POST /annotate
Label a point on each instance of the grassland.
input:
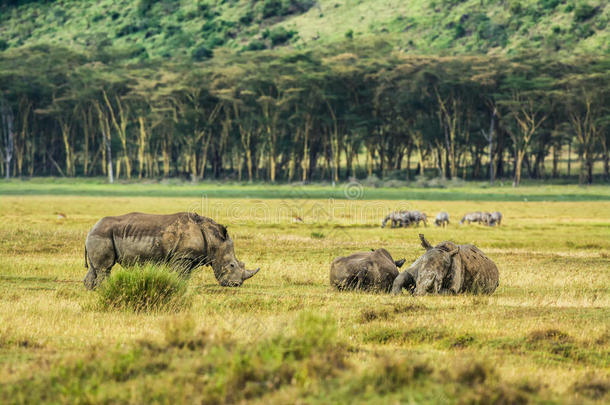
(543, 336)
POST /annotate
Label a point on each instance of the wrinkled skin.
(442, 219)
(185, 241)
(448, 268)
(375, 270)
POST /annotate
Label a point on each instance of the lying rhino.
(448, 268)
(183, 240)
(442, 219)
(374, 270)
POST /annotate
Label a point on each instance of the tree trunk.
(8, 136)
(518, 164)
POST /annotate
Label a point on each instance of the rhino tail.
(86, 265)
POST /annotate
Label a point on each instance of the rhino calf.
(442, 219)
(448, 268)
(374, 270)
(183, 240)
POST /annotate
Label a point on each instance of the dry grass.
(542, 336)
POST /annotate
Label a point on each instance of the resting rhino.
(448, 268)
(442, 219)
(374, 270)
(183, 240)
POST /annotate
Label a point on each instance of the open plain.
(544, 335)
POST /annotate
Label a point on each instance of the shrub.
(3, 45)
(255, 45)
(146, 288)
(280, 35)
(202, 53)
(271, 8)
(349, 34)
(584, 11)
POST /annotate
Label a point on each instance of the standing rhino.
(448, 268)
(442, 219)
(374, 270)
(497, 217)
(183, 240)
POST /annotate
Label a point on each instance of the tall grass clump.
(144, 288)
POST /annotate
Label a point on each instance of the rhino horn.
(400, 262)
(250, 273)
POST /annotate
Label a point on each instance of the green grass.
(476, 191)
(143, 288)
(178, 29)
(285, 335)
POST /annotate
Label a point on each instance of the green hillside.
(148, 29)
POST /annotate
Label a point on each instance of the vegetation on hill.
(282, 90)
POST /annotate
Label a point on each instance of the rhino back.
(481, 273)
(148, 237)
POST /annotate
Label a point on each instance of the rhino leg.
(101, 255)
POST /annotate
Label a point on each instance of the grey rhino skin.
(417, 217)
(397, 218)
(497, 217)
(448, 268)
(374, 270)
(442, 219)
(183, 240)
(472, 217)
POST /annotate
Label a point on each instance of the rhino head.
(428, 273)
(229, 271)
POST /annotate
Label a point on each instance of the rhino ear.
(454, 252)
(223, 232)
(424, 242)
(400, 262)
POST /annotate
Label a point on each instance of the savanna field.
(285, 336)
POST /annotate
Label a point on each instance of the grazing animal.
(397, 218)
(448, 268)
(417, 217)
(472, 217)
(442, 219)
(497, 217)
(374, 270)
(183, 240)
(487, 219)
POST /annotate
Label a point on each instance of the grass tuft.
(143, 288)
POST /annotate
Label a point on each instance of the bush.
(280, 35)
(3, 45)
(584, 11)
(255, 45)
(202, 53)
(271, 8)
(146, 288)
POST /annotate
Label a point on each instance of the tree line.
(294, 115)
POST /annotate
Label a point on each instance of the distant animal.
(417, 217)
(442, 219)
(374, 270)
(497, 217)
(397, 219)
(448, 268)
(472, 217)
(487, 219)
(184, 240)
